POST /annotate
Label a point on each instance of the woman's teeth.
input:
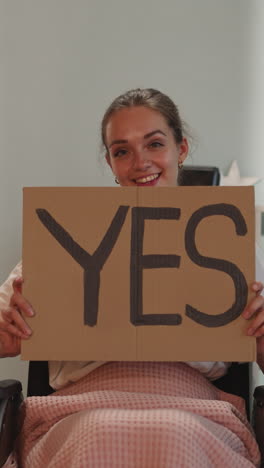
(149, 178)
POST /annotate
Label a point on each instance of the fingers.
(256, 304)
(13, 327)
(255, 309)
(18, 301)
(257, 287)
(259, 332)
(14, 323)
(17, 284)
(257, 326)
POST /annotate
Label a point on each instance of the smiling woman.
(133, 414)
(144, 139)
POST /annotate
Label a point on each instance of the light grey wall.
(63, 61)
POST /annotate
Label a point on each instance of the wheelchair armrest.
(259, 395)
(9, 388)
(258, 418)
(10, 399)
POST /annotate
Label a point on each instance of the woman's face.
(141, 148)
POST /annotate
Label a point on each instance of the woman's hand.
(13, 327)
(256, 308)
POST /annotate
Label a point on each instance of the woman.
(134, 414)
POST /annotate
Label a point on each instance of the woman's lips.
(146, 181)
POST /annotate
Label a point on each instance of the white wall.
(63, 61)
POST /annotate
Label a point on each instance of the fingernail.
(250, 331)
(27, 331)
(246, 314)
(31, 311)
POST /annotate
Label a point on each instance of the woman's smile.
(151, 179)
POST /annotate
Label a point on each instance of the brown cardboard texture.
(138, 274)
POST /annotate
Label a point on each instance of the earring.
(116, 180)
(180, 165)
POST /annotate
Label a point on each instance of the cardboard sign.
(139, 274)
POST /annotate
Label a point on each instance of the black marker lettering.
(139, 262)
(92, 264)
(241, 288)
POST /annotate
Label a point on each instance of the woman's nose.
(141, 160)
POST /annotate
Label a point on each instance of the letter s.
(241, 288)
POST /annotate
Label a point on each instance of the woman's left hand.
(256, 308)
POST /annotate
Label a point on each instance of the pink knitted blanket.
(137, 415)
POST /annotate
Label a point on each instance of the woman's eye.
(120, 152)
(155, 144)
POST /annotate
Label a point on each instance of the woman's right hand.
(13, 327)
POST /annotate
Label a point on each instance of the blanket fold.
(137, 415)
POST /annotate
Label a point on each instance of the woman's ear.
(183, 150)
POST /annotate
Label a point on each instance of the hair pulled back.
(151, 98)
